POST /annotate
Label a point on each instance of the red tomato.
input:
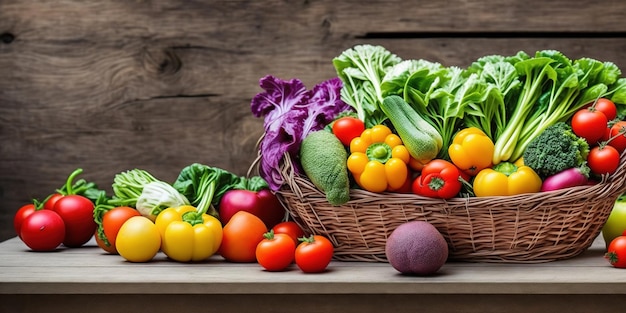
(618, 134)
(603, 159)
(438, 179)
(275, 252)
(607, 107)
(289, 228)
(21, 214)
(616, 253)
(347, 128)
(241, 235)
(51, 200)
(590, 124)
(43, 230)
(314, 253)
(112, 221)
(77, 213)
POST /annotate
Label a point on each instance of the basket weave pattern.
(529, 228)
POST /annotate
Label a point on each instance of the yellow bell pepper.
(188, 235)
(471, 150)
(506, 179)
(378, 160)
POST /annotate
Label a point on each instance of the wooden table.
(88, 280)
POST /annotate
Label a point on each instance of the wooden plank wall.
(108, 86)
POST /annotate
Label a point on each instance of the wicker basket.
(529, 228)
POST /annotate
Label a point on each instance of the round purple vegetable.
(575, 176)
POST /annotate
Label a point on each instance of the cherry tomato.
(347, 128)
(77, 213)
(43, 230)
(314, 253)
(289, 228)
(51, 200)
(241, 235)
(21, 214)
(618, 131)
(590, 124)
(607, 107)
(616, 252)
(138, 240)
(603, 159)
(112, 221)
(276, 251)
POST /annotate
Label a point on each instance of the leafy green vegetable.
(556, 149)
(440, 95)
(139, 189)
(502, 85)
(204, 186)
(290, 113)
(157, 196)
(361, 69)
(127, 187)
(511, 98)
(553, 89)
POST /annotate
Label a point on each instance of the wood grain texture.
(69, 280)
(109, 86)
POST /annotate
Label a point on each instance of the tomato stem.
(309, 239)
(70, 179)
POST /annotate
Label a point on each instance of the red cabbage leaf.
(290, 113)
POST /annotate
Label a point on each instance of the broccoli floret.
(556, 149)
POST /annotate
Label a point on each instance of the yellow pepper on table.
(378, 160)
(506, 179)
(471, 150)
(187, 234)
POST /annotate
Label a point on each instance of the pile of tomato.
(599, 125)
(68, 220)
(60, 219)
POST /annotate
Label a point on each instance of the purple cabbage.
(290, 113)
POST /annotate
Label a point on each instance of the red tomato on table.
(616, 252)
(112, 221)
(275, 252)
(43, 230)
(289, 228)
(314, 253)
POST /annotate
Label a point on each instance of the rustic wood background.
(109, 86)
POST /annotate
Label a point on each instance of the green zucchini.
(324, 160)
(419, 137)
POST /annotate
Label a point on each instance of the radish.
(575, 176)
